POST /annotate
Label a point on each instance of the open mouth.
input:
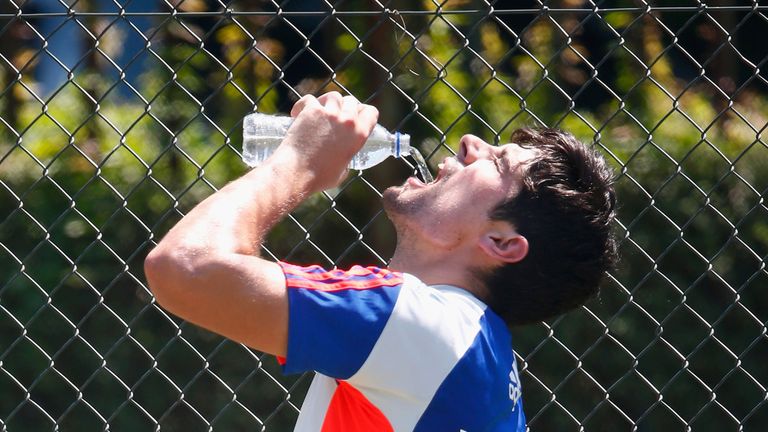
(443, 172)
(440, 172)
(415, 181)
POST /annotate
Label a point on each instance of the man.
(503, 236)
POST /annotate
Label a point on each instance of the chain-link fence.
(117, 117)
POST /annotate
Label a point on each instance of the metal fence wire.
(116, 117)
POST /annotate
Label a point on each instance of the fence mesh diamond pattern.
(116, 117)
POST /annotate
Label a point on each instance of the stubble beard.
(399, 209)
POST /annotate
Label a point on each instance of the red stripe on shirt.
(334, 274)
(335, 280)
(344, 284)
(351, 411)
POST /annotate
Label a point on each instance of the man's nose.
(472, 148)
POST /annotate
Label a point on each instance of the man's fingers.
(368, 115)
(346, 109)
(302, 103)
(331, 101)
(350, 106)
(334, 102)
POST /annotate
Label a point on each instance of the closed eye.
(497, 160)
(502, 162)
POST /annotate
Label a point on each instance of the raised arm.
(207, 269)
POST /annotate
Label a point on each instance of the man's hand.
(327, 133)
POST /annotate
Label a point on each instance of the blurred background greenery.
(115, 121)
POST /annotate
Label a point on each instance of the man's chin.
(389, 198)
(395, 202)
(406, 199)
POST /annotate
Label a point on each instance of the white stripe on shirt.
(429, 331)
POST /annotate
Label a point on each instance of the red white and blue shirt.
(393, 354)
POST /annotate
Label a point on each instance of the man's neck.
(435, 268)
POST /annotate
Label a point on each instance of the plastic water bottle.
(262, 133)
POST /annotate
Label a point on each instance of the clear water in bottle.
(262, 133)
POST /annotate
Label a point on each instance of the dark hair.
(564, 210)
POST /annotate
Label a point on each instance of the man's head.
(564, 208)
(532, 219)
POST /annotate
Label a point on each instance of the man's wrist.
(287, 168)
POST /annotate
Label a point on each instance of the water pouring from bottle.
(421, 166)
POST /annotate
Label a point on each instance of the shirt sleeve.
(335, 317)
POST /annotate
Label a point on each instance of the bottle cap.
(402, 144)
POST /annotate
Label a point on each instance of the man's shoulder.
(447, 314)
(457, 302)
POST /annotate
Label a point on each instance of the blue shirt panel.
(482, 392)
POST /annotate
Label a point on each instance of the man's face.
(455, 207)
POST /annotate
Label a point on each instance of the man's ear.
(504, 244)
